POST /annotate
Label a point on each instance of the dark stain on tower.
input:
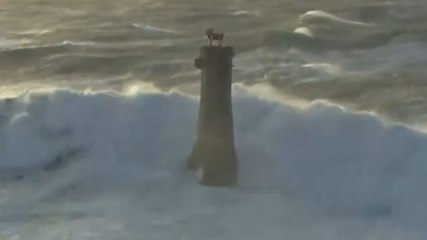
(214, 149)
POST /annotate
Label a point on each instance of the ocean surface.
(98, 112)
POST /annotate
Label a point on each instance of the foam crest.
(321, 16)
(300, 166)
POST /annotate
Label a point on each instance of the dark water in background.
(370, 55)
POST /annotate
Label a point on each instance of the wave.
(70, 56)
(304, 169)
(308, 39)
(323, 31)
(154, 29)
(13, 43)
(35, 32)
(22, 54)
(318, 16)
(409, 55)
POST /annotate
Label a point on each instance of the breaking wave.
(318, 16)
(114, 165)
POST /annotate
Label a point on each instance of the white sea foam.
(13, 43)
(325, 67)
(313, 172)
(154, 29)
(36, 32)
(318, 15)
(304, 31)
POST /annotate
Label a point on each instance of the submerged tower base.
(214, 149)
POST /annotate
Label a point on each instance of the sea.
(98, 113)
